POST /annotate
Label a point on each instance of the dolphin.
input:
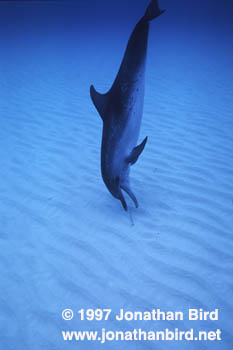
(121, 110)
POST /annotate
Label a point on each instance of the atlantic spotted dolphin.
(121, 110)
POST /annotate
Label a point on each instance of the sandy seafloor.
(65, 242)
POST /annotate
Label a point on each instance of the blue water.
(65, 242)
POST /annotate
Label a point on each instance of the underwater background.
(65, 241)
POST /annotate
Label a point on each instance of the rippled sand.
(65, 242)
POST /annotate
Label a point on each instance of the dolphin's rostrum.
(121, 111)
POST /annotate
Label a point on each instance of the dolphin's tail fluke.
(152, 11)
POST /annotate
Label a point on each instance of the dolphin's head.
(119, 193)
(115, 187)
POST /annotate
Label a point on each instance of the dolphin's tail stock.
(152, 11)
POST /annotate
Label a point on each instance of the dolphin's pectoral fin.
(130, 193)
(99, 101)
(133, 157)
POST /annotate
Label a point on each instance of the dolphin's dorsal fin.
(133, 157)
(99, 100)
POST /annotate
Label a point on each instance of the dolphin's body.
(121, 111)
